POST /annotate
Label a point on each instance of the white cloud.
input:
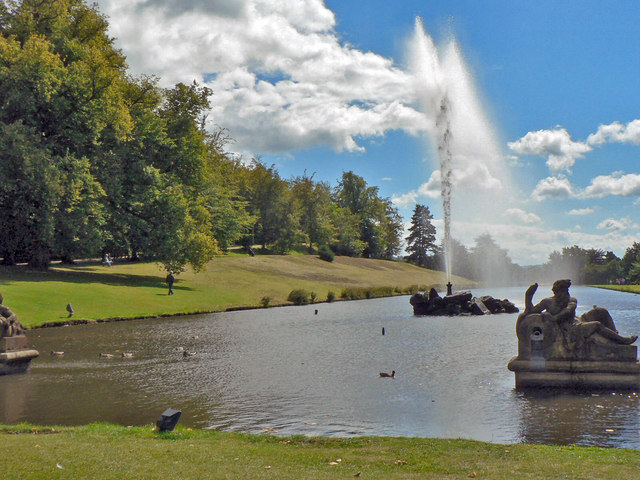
(615, 184)
(616, 224)
(580, 211)
(474, 177)
(277, 68)
(556, 145)
(553, 187)
(521, 216)
(616, 132)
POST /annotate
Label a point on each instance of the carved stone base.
(15, 357)
(538, 372)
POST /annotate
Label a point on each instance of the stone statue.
(9, 324)
(557, 348)
(561, 309)
(15, 355)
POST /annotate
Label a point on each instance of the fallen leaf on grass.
(334, 463)
(267, 467)
(400, 462)
(473, 475)
(285, 442)
(357, 474)
(59, 466)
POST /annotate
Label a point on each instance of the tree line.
(488, 263)
(94, 160)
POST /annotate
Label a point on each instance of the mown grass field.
(102, 451)
(128, 290)
(621, 288)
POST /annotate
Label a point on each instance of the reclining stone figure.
(552, 327)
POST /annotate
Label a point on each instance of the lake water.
(293, 371)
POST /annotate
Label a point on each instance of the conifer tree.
(421, 241)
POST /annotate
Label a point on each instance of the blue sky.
(332, 86)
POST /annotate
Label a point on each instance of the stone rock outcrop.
(458, 303)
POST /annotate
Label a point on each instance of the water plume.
(471, 163)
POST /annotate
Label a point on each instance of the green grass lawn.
(621, 288)
(102, 451)
(128, 290)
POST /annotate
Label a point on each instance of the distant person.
(170, 280)
(251, 252)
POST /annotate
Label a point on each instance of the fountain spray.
(444, 151)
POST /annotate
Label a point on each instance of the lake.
(290, 370)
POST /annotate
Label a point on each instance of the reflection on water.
(290, 370)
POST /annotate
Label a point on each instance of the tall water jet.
(471, 163)
(444, 152)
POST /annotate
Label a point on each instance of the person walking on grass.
(170, 280)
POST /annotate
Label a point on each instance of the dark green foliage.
(331, 296)
(421, 241)
(265, 301)
(326, 254)
(299, 297)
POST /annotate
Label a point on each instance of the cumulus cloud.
(615, 184)
(580, 211)
(277, 68)
(475, 176)
(519, 215)
(556, 145)
(616, 224)
(616, 132)
(553, 187)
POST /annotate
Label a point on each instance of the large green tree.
(379, 222)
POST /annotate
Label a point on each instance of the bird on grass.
(56, 354)
(127, 354)
(388, 375)
(106, 355)
(70, 309)
(188, 354)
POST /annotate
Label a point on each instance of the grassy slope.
(113, 452)
(131, 290)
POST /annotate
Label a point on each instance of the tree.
(379, 222)
(274, 206)
(314, 199)
(630, 257)
(491, 264)
(421, 241)
(29, 196)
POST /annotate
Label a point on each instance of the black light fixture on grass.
(168, 420)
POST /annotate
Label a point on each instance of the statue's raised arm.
(528, 298)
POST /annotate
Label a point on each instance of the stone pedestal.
(538, 372)
(15, 355)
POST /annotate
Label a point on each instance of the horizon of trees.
(488, 263)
